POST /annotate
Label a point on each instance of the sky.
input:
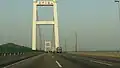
(95, 21)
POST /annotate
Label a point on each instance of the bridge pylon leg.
(34, 26)
(56, 27)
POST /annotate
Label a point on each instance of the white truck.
(47, 46)
(59, 49)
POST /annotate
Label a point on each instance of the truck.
(59, 49)
(47, 46)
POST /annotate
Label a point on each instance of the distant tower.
(36, 22)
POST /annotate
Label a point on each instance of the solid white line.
(22, 61)
(101, 62)
(58, 64)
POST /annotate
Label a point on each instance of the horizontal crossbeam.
(45, 22)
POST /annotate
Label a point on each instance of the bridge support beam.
(54, 22)
(56, 26)
(34, 26)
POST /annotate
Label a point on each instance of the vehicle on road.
(59, 49)
(47, 46)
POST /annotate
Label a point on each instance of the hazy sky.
(95, 21)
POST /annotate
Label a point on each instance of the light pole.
(117, 1)
(76, 42)
(65, 45)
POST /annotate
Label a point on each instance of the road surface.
(48, 60)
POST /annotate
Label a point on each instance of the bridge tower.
(54, 22)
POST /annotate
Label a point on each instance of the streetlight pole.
(65, 45)
(76, 42)
(117, 1)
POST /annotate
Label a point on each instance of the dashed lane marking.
(58, 64)
(52, 56)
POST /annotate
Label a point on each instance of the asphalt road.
(48, 60)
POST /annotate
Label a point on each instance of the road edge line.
(101, 62)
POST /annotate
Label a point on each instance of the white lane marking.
(58, 64)
(101, 62)
(52, 56)
(23, 61)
